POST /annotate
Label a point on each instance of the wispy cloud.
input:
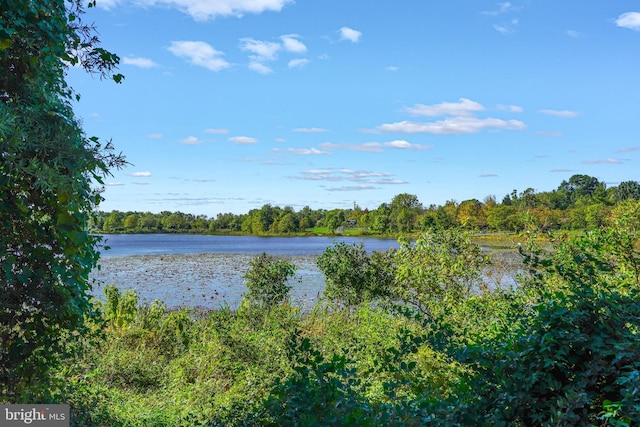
(510, 108)
(353, 188)
(261, 50)
(155, 136)
(141, 174)
(573, 33)
(508, 27)
(452, 126)
(298, 63)
(464, 107)
(301, 151)
(560, 113)
(199, 53)
(191, 140)
(630, 20)
(603, 162)
(291, 43)
(502, 8)
(350, 34)
(114, 184)
(392, 68)
(488, 175)
(243, 140)
(376, 147)
(358, 176)
(628, 149)
(260, 68)
(218, 131)
(139, 62)
(202, 10)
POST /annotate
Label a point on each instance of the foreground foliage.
(47, 168)
(561, 349)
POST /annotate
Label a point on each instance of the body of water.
(159, 244)
(208, 271)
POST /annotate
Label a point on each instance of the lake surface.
(208, 271)
(159, 244)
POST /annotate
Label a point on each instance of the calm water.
(160, 244)
(208, 271)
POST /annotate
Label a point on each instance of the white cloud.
(301, 151)
(506, 28)
(372, 147)
(114, 184)
(139, 62)
(292, 44)
(392, 68)
(452, 126)
(298, 63)
(310, 130)
(141, 174)
(155, 136)
(603, 161)
(350, 34)
(353, 188)
(573, 33)
(243, 140)
(199, 53)
(203, 10)
(488, 175)
(262, 50)
(401, 144)
(376, 147)
(560, 113)
(502, 8)
(630, 20)
(358, 176)
(464, 107)
(191, 140)
(628, 149)
(260, 68)
(219, 131)
(510, 108)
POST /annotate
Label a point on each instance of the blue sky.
(231, 104)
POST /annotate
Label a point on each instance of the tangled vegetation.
(561, 348)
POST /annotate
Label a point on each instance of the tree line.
(579, 203)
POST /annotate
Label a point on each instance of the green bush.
(353, 276)
(267, 280)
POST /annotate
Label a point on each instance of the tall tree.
(47, 171)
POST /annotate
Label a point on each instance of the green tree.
(380, 219)
(47, 168)
(627, 190)
(439, 270)
(404, 211)
(130, 222)
(267, 280)
(353, 276)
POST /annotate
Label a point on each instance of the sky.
(228, 105)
